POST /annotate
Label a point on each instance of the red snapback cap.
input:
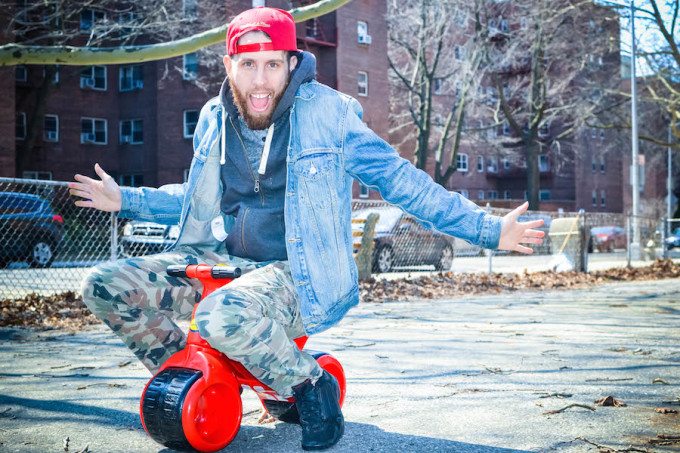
(278, 24)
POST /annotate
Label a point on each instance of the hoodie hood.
(305, 71)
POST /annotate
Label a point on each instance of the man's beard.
(254, 123)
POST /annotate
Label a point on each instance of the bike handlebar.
(204, 271)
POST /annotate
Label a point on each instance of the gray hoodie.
(256, 201)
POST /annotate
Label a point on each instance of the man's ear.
(292, 63)
(227, 64)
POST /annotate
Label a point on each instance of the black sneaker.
(320, 416)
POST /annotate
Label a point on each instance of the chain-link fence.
(47, 244)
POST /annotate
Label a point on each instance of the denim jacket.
(329, 145)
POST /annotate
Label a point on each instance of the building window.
(594, 197)
(601, 134)
(55, 75)
(462, 162)
(506, 163)
(51, 128)
(523, 23)
(94, 131)
(131, 131)
(362, 33)
(190, 121)
(503, 25)
(465, 193)
(89, 18)
(131, 180)
(41, 175)
(480, 164)
(543, 163)
(362, 83)
(492, 166)
(459, 53)
(480, 194)
(593, 163)
(190, 65)
(93, 77)
(437, 84)
(21, 73)
(506, 128)
(364, 191)
(603, 198)
(21, 126)
(312, 28)
(492, 195)
(131, 77)
(506, 194)
(602, 165)
(190, 8)
(544, 195)
(544, 130)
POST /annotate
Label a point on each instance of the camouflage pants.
(251, 320)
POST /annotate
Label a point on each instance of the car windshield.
(602, 230)
(388, 217)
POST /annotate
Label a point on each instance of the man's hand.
(103, 195)
(514, 233)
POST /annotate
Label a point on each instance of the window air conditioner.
(365, 39)
(51, 135)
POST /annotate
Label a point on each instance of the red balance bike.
(194, 401)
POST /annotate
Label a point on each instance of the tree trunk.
(25, 155)
(533, 174)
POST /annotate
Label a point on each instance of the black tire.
(445, 260)
(162, 407)
(383, 260)
(41, 253)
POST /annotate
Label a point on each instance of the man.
(269, 190)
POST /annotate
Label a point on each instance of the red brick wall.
(7, 113)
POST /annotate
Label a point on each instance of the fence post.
(584, 233)
(114, 236)
(664, 235)
(628, 252)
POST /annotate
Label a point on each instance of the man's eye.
(247, 64)
(273, 65)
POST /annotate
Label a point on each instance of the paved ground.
(466, 375)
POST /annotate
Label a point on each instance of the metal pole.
(635, 175)
(669, 180)
(628, 245)
(114, 236)
(489, 251)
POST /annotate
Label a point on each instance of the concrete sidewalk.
(474, 374)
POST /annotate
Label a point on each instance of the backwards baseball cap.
(276, 23)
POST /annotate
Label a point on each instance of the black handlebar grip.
(177, 270)
(225, 272)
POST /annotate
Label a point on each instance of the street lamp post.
(634, 168)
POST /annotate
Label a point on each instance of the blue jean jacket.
(329, 145)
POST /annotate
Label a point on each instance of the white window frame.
(362, 29)
(39, 175)
(190, 11)
(94, 79)
(135, 84)
(492, 195)
(133, 122)
(45, 131)
(364, 191)
(506, 163)
(186, 74)
(492, 164)
(21, 69)
(55, 78)
(94, 129)
(93, 20)
(603, 198)
(184, 123)
(593, 163)
(465, 193)
(603, 166)
(462, 162)
(480, 164)
(362, 87)
(480, 194)
(21, 120)
(506, 128)
(594, 198)
(437, 84)
(543, 163)
(506, 195)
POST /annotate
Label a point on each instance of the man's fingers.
(532, 223)
(534, 233)
(519, 210)
(525, 250)
(531, 240)
(84, 203)
(80, 193)
(84, 179)
(100, 172)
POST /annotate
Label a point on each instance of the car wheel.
(42, 254)
(445, 259)
(384, 259)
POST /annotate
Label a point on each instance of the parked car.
(29, 229)
(607, 239)
(401, 241)
(673, 240)
(141, 238)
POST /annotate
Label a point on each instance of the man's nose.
(260, 78)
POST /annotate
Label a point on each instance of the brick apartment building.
(137, 121)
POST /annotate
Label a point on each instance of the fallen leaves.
(65, 311)
(665, 410)
(609, 401)
(557, 411)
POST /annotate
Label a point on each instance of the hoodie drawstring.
(265, 152)
(223, 159)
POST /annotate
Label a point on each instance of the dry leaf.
(610, 401)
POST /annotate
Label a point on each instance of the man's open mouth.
(259, 102)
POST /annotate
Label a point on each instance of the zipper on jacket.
(256, 180)
(243, 225)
